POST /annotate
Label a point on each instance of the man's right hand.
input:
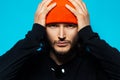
(42, 11)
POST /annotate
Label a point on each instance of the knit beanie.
(60, 14)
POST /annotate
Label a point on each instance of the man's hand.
(42, 11)
(81, 13)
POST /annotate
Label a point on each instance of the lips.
(62, 43)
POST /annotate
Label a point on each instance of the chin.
(62, 51)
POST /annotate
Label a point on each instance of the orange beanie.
(60, 13)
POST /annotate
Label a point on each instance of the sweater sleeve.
(108, 57)
(13, 59)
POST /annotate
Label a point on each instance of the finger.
(40, 5)
(50, 7)
(71, 9)
(47, 3)
(43, 1)
(77, 7)
(45, 12)
(43, 5)
(80, 3)
(46, 9)
(85, 6)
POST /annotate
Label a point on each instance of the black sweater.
(29, 60)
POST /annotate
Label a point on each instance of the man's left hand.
(81, 13)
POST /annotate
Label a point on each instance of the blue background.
(17, 17)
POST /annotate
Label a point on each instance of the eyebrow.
(61, 23)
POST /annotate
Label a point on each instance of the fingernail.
(66, 5)
(54, 3)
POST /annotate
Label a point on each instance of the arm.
(108, 57)
(11, 61)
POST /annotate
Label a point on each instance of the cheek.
(72, 35)
(51, 35)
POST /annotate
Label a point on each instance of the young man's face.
(62, 36)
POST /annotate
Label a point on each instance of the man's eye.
(71, 26)
(52, 26)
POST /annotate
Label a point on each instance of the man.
(61, 46)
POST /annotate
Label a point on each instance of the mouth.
(62, 43)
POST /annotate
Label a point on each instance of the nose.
(61, 35)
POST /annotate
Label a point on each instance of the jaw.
(61, 56)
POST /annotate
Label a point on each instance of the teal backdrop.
(17, 18)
